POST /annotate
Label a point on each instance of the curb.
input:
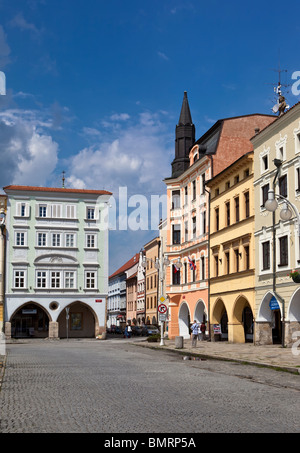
(2, 371)
(286, 369)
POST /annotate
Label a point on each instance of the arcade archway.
(30, 321)
(184, 321)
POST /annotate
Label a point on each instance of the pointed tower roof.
(185, 114)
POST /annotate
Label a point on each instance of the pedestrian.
(129, 330)
(202, 331)
(194, 328)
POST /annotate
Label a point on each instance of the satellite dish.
(275, 108)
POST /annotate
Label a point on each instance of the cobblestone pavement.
(269, 355)
(114, 386)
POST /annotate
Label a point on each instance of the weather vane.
(63, 179)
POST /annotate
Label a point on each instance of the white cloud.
(22, 24)
(163, 56)
(30, 155)
(137, 157)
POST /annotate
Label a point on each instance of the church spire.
(185, 138)
(185, 114)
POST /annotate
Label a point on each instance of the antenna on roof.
(63, 179)
(280, 106)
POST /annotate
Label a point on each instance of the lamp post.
(160, 265)
(2, 241)
(286, 214)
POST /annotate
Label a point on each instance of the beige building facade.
(231, 290)
(277, 165)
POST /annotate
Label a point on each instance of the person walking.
(194, 328)
(202, 331)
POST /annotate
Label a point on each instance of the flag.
(192, 264)
(176, 269)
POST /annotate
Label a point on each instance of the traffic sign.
(162, 299)
(162, 317)
(162, 308)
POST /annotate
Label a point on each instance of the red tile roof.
(53, 189)
(126, 266)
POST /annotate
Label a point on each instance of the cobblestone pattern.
(115, 387)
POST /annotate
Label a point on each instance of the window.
(283, 247)
(176, 199)
(247, 205)
(55, 279)
(204, 222)
(217, 217)
(227, 260)
(70, 240)
(246, 173)
(227, 205)
(236, 179)
(266, 255)
(237, 209)
(69, 280)
(194, 190)
(90, 213)
(237, 258)
(186, 195)
(42, 239)
(176, 275)
(42, 210)
(90, 280)
(185, 273)
(202, 264)
(56, 210)
(186, 231)
(176, 234)
(264, 193)
(203, 184)
(265, 163)
(23, 209)
(20, 239)
(246, 257)
(297, 182)
(193, 271)
(70, 211)
(283, 185)
(216, 258)
(90, 241)
(56, 240)
(194, 227)
(41, 279)
(19, 279)
(227, 185)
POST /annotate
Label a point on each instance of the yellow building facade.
(231, 244)
(152, 281)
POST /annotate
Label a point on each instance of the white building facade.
(56, 262)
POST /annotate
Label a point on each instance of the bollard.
(178, 342)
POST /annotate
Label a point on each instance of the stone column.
(53, 330)
(8, 330)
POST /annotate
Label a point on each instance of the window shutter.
(18, 209)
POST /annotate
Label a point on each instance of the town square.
(149, 220)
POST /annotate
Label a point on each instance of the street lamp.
(160, 264)
(286, 214)
(287, 210)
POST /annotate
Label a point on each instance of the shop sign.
(274, 304)
(29, 311)
(217, 329)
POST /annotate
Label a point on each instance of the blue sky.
(95, 87)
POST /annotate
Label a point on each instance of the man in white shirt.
(194, 328)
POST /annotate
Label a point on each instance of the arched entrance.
(30, 321)
(200, 312)
(219, 317)
(242, 326)
(81, 322)
(268, 323)
(184, 321)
